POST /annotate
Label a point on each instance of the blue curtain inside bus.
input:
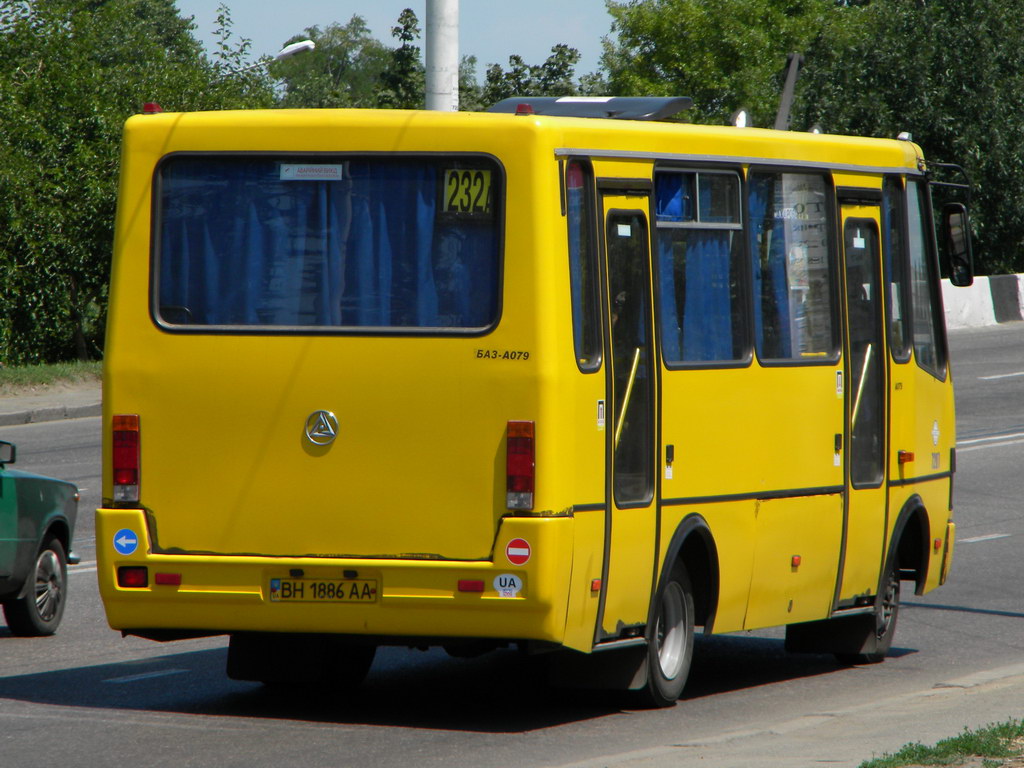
(771, 298)
(694, 270)
(242, 245)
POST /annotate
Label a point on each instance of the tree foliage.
(71, 72)
(344, 70)
(725, 54)
(943, 71)
(940, 69)
(555, 77)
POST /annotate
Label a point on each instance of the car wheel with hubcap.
(41, 608)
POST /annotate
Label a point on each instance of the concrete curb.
(49, 413)
(991, 300)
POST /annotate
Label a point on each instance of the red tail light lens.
(520, 465)
(126, 458)
(133, 577)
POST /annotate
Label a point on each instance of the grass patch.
(984, 747)
(36, 378)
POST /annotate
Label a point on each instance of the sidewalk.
(72, 402)
(844, 738)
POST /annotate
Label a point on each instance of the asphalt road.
(88, 696)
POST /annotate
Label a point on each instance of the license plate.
(323, 590)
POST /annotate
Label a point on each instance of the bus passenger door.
(630, 532)
(866, 407)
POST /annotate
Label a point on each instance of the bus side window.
(794, 267)
(701, 284)
(894, 251)
(583, 271)
(929, 341)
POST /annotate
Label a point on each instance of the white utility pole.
(443, 55)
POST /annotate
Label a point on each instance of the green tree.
(344, 70)
(555, 77)
(71, 72)
(942, 71)
(725, 54)
(403, 80)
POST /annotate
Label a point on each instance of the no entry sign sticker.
(518, 551)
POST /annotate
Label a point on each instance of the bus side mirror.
(7, 453)
(956, 232)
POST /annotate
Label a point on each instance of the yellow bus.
(566, 374)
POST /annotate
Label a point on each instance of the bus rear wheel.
(670, 644)
(887, 608)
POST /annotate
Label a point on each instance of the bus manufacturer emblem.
(321, 428)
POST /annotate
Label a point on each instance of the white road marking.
(1001, 376)
(990, 537)
(997, 441)
(146, 676)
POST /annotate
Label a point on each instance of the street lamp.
(285, 53)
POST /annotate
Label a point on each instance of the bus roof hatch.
(616, 107)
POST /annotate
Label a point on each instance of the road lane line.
(1001, 376)
(989, 439)
(990, 537)
(146, 676)
(1001, 442)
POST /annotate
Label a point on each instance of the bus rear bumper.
(395, 598)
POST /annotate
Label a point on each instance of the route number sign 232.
(467, 190)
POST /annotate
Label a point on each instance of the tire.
(39, 612)
(887, 608)
(670, 644)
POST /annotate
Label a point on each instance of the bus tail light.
(133, 577)
(520, 465)
(126, 458)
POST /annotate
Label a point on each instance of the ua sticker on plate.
(508, 585)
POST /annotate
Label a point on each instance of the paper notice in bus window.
(311, 172)
(467, 191)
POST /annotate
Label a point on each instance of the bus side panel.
(751, 430)
(796, 560)
(588, 555)
(732, 527)
(923, 423)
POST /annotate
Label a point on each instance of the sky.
(528, 28)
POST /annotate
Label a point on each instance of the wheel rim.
(671, 631)
(49, 585)
(890, 603)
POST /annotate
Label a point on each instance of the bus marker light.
(169, 579)
(796, 561)
(471, 585)
(133, 577)
(905, 457)
(938, 544)
(595, 585)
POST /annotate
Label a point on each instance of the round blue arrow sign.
(126, 541)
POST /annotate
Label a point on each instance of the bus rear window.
(327, 243)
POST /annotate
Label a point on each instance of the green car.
(37, 521)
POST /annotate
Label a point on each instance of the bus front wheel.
(670, 644)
